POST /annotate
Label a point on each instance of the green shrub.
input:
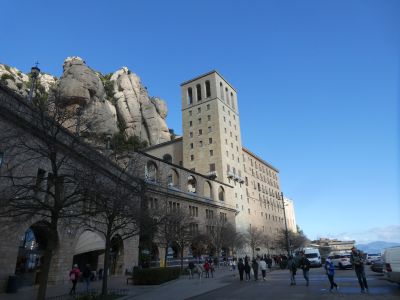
(154, 276)
(6, 76)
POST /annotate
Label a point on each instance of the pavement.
(226, 285)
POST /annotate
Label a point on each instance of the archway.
(30, 253)
(88, 250)
(207, 190)
(191, 184)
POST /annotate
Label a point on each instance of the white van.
(313, 256)
(391, 259)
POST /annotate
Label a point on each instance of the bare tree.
(255, 238)
(233, 239)
(174, 226)
(52, 194)
(296, 239)
(114, 210)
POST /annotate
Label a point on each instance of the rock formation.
(123, 106)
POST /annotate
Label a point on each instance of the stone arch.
(173, 178)
(31, 253)
(221, 194)
(207, 190)
(167, 158)
(151, 172)
(89, 250)
(192, 184)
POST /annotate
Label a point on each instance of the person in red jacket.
(207, 269)
(74, 276)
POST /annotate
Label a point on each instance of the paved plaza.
(226, 285)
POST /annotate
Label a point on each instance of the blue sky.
(323, 76)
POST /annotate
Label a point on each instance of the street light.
(286, 229)
(35, 71)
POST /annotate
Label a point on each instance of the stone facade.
(211, 145)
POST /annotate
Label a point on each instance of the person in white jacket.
(263, 267)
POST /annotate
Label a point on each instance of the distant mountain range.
(376, 247)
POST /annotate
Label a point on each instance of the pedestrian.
(330, 271)
(241, 269)
(305, 266)
(247, 269)
(269, 263)
(212, 269)
(357, 259)
(74, 276)
(86, 274)
(191, 269)
(292, 269)
(254, 266)
(263, 267)
(234, 264)
(207, 268)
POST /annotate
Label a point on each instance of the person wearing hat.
(357, 259)
(74, 276)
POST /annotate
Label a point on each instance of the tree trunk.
(165, 256)
(181, 258)
(104, 289)
(45, 269)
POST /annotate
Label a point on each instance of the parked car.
(341, 261)
(372, 257)
(391, 258)
(377, 266)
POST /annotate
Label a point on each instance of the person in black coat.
(247, 269)
(254, 265)
(241, 269)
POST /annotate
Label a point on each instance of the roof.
(259, 158)
(206, 74)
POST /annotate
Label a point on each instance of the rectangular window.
(209, 118)
(190, 113)
(210, 140)
(201, 143)
(191, 145)
(211, 153)
(199, 110)
(208, 106)
(209, 129)
(200, 132)
(192, 157)
(190, 123)
(212, 167)
(199, 120)
(191, 134)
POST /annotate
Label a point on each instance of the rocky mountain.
(115, 103)
(376, 247)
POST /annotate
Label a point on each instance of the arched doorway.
(116, 256)
(89, 247)
(30, 253)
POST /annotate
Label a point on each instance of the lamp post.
(286, 229)
(35, 71)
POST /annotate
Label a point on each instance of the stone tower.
(211, 131)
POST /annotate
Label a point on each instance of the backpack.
(72, 276)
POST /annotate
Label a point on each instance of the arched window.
(151, 171)
(233, 101)
(167, 158)
(221, 90)
(207, 190)
(198, 91)
(227, 96)
(208, 89)
(173, 178)
(190, 96)
(191, 184)
(221, 194)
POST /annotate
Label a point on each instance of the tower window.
(221, 89)
(212, 153)
(198, 91)
(227, 96)
(200, 132)
(233, 101)
(210, 140)
(208, 89)
(209, 118)
(190, 96)
(192, 157)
